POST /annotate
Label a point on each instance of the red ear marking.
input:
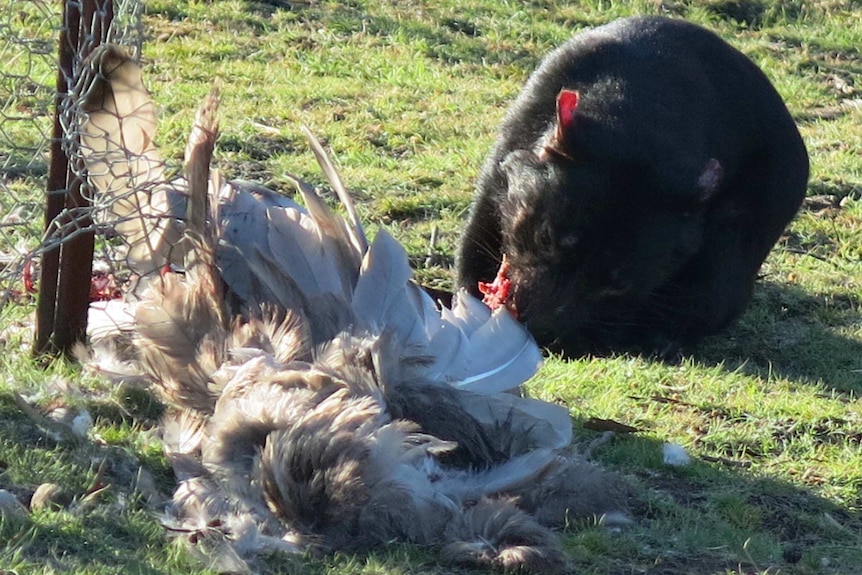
(567, 104)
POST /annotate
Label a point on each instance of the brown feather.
(122, 162)
(496, 533)
(181, 329)
(198, 156)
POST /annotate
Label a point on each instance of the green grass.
(408, 96)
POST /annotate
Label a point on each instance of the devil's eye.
(543, 236)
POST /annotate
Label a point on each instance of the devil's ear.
(567, 105)
(710, 179)
(555, 142)
(686, 179)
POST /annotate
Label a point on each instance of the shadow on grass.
(726, 518)
(705, 518)
(32, 453)
(793, 334)
(442, 37)
(714, 517)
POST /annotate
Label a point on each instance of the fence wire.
(30, 33)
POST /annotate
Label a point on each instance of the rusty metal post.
(58, 173)
(64, 286)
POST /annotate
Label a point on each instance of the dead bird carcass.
(332, 404)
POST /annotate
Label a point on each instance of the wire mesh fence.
(46, 203)
(28, 50)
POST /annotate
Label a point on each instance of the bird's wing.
(119, 125)
(272, 252)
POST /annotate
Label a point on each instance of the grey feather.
(357, 234)
(527, 423)
(381, 295)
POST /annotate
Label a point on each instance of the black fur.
(641, 223)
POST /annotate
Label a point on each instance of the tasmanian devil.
(636, 186)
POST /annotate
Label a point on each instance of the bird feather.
(357, 235)
(123, 165)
